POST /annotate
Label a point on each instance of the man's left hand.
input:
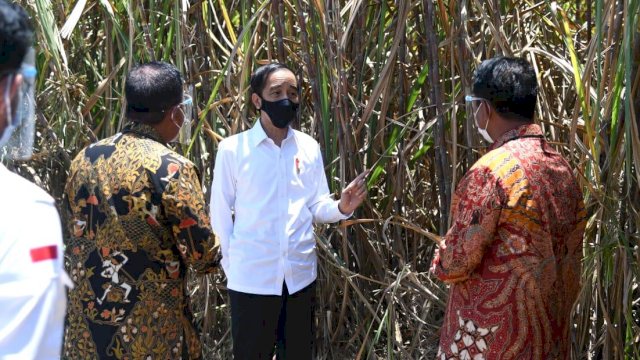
(354, 194)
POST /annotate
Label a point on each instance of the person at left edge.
(137, 219)
(32, 279)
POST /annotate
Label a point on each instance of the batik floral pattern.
(137, 219)
(512, 254)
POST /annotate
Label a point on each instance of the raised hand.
(354, 194)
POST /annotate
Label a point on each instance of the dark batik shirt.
(138, 220)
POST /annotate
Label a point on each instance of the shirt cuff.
(338, 214)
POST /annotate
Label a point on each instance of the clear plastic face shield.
(184, 133)
(17, 139)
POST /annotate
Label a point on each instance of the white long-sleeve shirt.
(264, 200)
(32, 279)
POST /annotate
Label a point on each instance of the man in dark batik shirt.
(137, 219)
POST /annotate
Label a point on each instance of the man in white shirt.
(32, 293)
(269, 187)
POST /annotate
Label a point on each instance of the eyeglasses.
(27, 71)
(470, 98)
(186, 100)
(185, 104)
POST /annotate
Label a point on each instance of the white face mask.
(8, 131)
(177, 137)
(184, 133)
(483, 132)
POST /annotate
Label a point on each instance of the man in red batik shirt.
(512, 255)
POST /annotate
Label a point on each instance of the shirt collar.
(521, 131)
(258, 135)
(142, 130)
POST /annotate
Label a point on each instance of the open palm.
(354, 194)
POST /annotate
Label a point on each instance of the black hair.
(260, 76)
(16, 36)
(151, 89)
(510, 85)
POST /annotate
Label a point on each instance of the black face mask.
(281, 112)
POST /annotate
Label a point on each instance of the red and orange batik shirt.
(512, 254)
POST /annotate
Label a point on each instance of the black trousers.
(261, 322)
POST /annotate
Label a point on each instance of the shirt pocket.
(303, 173)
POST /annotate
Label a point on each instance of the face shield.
(183, 136)
(17, 139)
(186, 106)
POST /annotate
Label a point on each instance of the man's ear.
(257, 102)
(17, 82)
(169, 115)
(14, 87)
